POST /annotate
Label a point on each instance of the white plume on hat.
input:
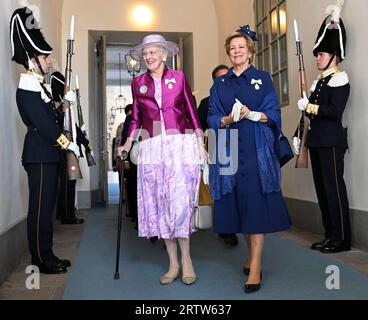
(333, 21)
(23, 3)
(335, 10)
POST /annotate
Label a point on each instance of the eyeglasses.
(152, 53)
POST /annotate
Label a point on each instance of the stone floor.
(355, 258)
(66, 242)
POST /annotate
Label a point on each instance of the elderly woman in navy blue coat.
(245, 117)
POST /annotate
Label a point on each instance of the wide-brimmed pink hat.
(155, 39)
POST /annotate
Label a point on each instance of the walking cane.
(124, 155)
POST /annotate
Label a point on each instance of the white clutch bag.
(134, 152)
(202, 217)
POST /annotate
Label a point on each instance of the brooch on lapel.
(257, 83)
(143, 89)
(170, 83)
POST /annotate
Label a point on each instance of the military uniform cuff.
(63, 142)
(312, 109)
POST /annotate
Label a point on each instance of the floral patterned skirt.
(168, 185)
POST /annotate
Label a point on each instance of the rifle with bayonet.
(302, 129)
(90, 160)
(73, 168)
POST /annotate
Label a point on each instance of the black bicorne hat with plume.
(332, 34)
(27, 40)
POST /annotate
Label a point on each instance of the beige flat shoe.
(189, 280)
(167, 279)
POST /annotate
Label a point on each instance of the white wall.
(90, 108)
(230, 15)
(297, 183)
(13, 182)
(198, 17)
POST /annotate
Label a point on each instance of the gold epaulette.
(63, 142)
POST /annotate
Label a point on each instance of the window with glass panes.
(272, 46)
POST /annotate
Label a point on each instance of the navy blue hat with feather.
(245, 30)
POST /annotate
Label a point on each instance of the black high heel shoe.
(250, 288)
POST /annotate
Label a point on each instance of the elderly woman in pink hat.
(169, 155)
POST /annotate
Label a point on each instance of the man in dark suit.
(44, 139)
(203, 106)
(327, 138)
(230, 239)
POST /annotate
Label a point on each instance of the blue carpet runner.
(289, 271)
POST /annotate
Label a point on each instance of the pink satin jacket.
(178, 109)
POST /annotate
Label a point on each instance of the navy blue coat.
(246, 209)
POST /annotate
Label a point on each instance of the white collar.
(29, 82)
(32, 82)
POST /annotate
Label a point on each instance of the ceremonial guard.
(44, 138)
(327, 138)
(66, 195)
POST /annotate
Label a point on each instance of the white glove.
(71, 96)
(303, 102)
(74, 148)
(205, 174)
(235, 113)
(254, 116)
(296, 145)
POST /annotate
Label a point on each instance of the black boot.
(335, 246)
(73, 220)
(153, 239)
(231, 240)
(62, 262)
(49, 267)
(319, 245)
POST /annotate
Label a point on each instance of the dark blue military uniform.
(66, 194)
(40, 158)
(327, 143)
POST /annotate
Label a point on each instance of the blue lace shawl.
(265, 134)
